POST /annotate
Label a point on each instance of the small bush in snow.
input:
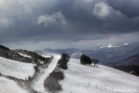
(85, 59)
(95, 61)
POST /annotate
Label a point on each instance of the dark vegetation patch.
(62, 62)
(4, 48)
(132, 69)
(9, 54)
(85, 59)
(57, 75)
(14, 55)
(52, 85)
(52, 82)
(36, 58)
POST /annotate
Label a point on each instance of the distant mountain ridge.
(130, 65)
(133, 60)
(108, 55)
(59, 51)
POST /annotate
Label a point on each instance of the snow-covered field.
(9, 86)
(78, 78)
(16, 69)
(101, 79)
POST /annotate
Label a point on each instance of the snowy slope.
(16, 69)
(101, 79)
(38, 85)
(9, 86)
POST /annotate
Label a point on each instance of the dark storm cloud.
(69, 20)
(127, 7)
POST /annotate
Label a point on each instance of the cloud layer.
(68, 20)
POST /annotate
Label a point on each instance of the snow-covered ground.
(9, 86)
(101, 79)
(38, 85)
(78, 78)
(16, 69)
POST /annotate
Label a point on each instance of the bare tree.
(95, 61)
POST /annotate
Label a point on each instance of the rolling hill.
(101, 79)
(107, 55)
(133, 60)
(22, 77)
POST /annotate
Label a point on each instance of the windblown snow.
(16, 69)
(101, 79)
(9, 86)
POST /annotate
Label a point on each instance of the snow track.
(39, 84)
(89, 79)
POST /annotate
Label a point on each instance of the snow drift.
(16, 69)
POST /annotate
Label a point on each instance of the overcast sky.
(82, 24)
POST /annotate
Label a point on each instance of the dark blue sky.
(82, 24)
